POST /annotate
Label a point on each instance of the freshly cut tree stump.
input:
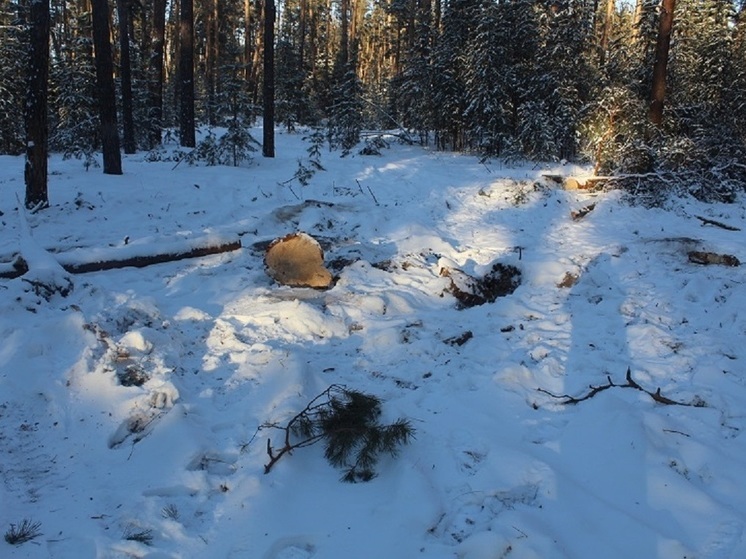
(297, 260)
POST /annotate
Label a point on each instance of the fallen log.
(720, 224)
(137, 255)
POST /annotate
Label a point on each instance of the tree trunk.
(258, 53)
(156, 61)
(106, 91)
(268, 144)
(248, 42)
(606, 31)
(186, 74)
(658, 93)
(35, 173)
(211, 50)
(344, 39)
(128, 123)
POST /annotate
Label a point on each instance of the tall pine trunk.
(156, 62)
(106, 92)
(186, 74)
(268, 144)
(35, 172)
(128, 123)
(658, 93)
(606, 31)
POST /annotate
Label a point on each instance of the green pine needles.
(347, 421)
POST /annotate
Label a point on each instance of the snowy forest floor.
(131, 410)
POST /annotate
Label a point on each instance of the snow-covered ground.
(499, 466)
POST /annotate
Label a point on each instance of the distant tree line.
(653, 92)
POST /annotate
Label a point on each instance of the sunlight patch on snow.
(191, 314)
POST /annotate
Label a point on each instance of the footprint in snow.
(291, 548)
(723, 540)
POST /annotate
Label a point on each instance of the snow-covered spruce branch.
(347, 421)
(630, 383)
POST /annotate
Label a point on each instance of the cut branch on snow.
(629, 383)
(706, 221)
(136, 255)
(347, 422)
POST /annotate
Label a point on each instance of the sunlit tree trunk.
(658, 93)
(606, 31)
(256, 64)
(106, 91)
(35, 173)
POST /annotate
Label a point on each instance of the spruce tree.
(487, 66)
(345, 121)
(12, 65)
(75, 127)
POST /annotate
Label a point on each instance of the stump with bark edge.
(297, 260)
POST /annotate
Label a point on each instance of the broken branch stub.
(499, 281)
(297, 260)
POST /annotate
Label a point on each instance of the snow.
(498, 467)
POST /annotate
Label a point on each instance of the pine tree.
(106, 91)
(37, 75)
(125, 69)
(186, 74)
(268, 81)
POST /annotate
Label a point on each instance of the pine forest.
(651, 93)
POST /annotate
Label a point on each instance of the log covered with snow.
(144, 252)
(141, 254)
(297, 260)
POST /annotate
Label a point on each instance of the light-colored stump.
(297, 260)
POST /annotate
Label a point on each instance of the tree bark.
(156, 61)
(658, 93)
(128, 123)
(186, 74)
(106, 91)
(248, 42)
(606, 31)
(35, 172)
(211, 55)
(268, 144)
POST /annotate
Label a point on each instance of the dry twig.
(630, 383)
